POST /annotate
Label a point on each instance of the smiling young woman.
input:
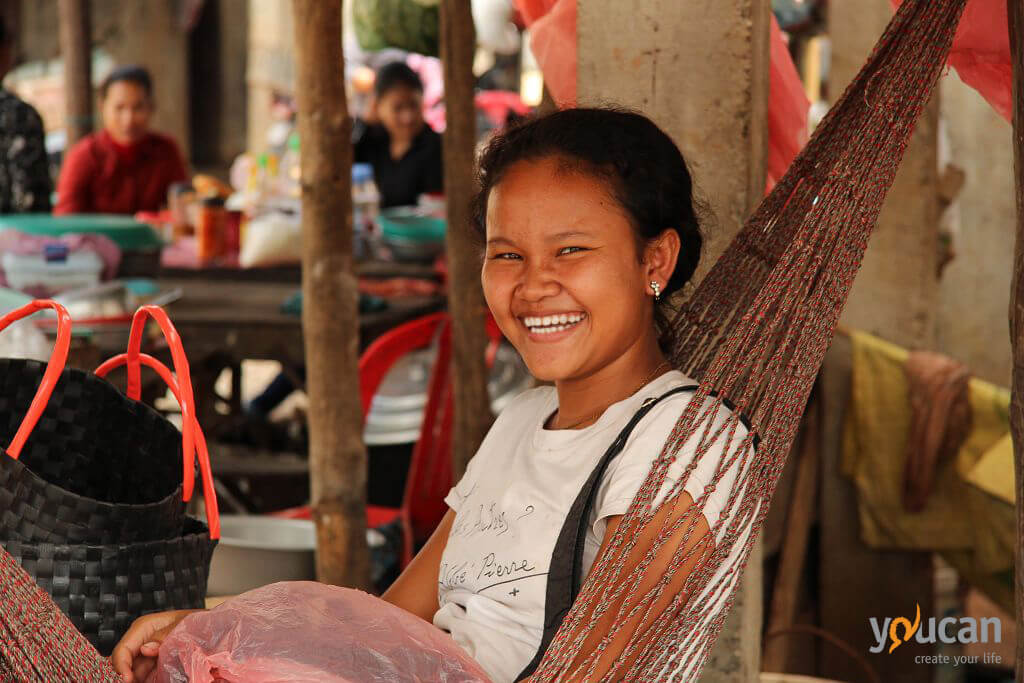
(585, 217)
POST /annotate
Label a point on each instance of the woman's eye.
(505, 255)
(563, 250)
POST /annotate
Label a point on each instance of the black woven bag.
(104, 588)
(98, 467)
(92, 484)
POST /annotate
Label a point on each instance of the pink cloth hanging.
(981, 53)
(787, 109)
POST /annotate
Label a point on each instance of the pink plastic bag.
(294, 632)
(981, 52)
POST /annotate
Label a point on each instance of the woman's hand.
(135, 656)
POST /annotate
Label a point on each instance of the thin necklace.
(598, 412)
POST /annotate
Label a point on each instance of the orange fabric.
(981, 53)
(552, 25)
(787, 109)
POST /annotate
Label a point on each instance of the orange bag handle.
(209, 492)
(54, 368)
(184, 382)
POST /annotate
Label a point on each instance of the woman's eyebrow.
(567, 233)
(550, 238)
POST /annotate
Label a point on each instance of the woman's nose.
(538, 281)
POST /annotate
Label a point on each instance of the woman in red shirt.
(124, 168)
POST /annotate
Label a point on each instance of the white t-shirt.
(516, 494)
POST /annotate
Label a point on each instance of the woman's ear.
(660, 257)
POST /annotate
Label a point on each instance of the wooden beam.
(473, 415)
(330, 315)
(76, 49)
(786, 592)
(1015, 15)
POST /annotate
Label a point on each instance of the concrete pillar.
(271, 67)
(975, 286)
(895, 296)
(152, 34)
(896, 292)
(700, 71)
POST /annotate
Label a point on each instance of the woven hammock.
(755, 332)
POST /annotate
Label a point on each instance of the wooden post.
(786, 593)
(1015, 13)
(330, 300)
(473, 415)
(76, 48)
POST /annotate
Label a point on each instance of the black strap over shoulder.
(565, 575)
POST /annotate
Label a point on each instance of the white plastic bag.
(272, 239)
(24, 340)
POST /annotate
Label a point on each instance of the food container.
(255, 551)
(139, 243)
(104, 312)
(210, 230)
(50, 273)
(412, 235)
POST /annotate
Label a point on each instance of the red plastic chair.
(430, 468)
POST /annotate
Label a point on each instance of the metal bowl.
(255, 551)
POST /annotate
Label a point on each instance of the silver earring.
(657, 290)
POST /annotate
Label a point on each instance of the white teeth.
(552, 323)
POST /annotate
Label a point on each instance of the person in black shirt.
(25, 183)
(403, 150)
(406, 158)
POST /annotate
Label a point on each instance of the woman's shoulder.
(162, 142)
(81, 159)
(86, 146)
(666, 413)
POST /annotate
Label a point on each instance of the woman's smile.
(552, 327)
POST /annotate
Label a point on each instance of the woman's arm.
(699, 541)
(415, 590)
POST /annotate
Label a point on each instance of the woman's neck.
(581, 400)
(126, 151)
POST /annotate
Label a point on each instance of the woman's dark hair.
(128, 74)
(396, 75)
(5, 36)
(646, 173)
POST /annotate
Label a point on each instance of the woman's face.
(400, 111)
(126, 111)
(561, 272)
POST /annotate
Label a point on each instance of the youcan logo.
(948, 630)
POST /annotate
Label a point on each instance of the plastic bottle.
(290, 179)
(365, 197)
(210, 230)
